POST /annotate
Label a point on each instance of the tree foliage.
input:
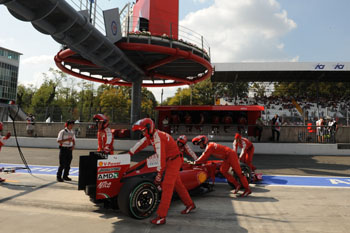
(206, 93)
(62, 97)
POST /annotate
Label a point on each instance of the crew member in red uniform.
(184, 147)
(247, 150)
(230, 160)
(2, 142)
(169, 162)
(105, 135)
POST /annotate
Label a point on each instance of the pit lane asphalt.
(39, 204)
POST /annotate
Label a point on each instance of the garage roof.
(282, 72)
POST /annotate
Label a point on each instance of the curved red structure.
(71, 63)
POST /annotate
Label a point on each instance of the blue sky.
(237, 31)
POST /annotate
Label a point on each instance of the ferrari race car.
(111, 180)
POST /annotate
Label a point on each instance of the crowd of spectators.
(327, 108)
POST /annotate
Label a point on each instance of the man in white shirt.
(66, 139)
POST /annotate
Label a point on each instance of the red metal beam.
(161, 62)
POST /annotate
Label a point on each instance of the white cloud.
(200, 1)
(38, 59)
(242, 30)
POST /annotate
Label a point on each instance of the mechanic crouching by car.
(105, 137)
(170, 161)
(230, 159)
(184, 147)
(247, 150)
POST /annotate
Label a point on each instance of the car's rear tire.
(245, 171)
(138, 198)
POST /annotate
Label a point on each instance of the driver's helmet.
(101, 118)
(182, 139)
(199, 139)
(145, 124)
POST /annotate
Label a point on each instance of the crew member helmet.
(199, 139)
(101, 118)
(182, 139)
(238, 136)
(145, 124)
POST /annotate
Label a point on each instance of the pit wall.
(125, 145)
(288, 134)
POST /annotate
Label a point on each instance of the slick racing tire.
(138, 198)
(245, 171)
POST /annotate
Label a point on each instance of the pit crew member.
(105, 135)
(247, 150)
(169, 162)
(230, 159)
(185, 148)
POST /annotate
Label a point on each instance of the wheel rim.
(144, 200)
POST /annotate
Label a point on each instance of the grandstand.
(290, 115)
(313, 107)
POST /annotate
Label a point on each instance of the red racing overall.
(230, 160)
(169, 161)
(247, 152)
(105, 140)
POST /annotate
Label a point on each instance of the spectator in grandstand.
(320, 130)
(188, 122)
(276, 126)
(259, 124)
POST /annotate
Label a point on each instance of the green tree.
(24, 97)
(206, 93)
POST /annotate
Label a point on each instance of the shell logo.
(202, 176)
(100, 164)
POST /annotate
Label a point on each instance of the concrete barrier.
(260, 148)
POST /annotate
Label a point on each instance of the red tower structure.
(157, 16)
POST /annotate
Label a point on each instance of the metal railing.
(131, 25)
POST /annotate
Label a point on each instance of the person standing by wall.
(276, 126)
(66, 139)
(320, 130)
(30, 125)
(3, 139)
(259, 124)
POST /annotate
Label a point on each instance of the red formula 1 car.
(111, 180)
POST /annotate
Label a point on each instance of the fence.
(288, 134)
